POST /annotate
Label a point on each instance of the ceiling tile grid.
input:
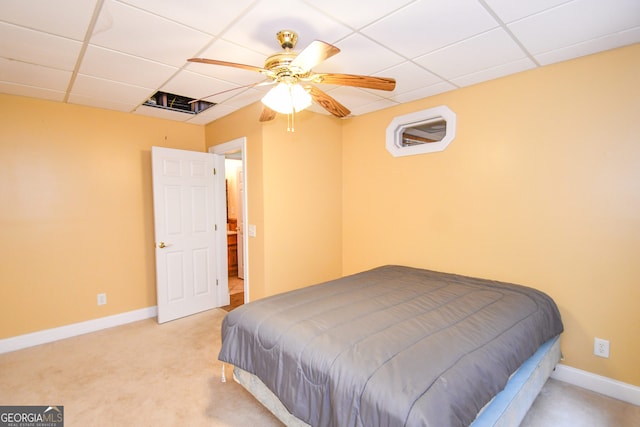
(115, 54)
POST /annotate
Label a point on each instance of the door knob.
(162, 245)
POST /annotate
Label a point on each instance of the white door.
(240, 216)
(184, 209)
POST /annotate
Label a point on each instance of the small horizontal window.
(425, 131)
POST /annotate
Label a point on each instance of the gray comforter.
(392, 346)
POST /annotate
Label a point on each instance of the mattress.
(390, 346)
(507, 409)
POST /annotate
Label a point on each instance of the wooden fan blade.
(327, 102)
(267, 114)
(227, 64)
(369, 82)
(313, 54)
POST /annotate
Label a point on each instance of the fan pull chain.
(224, 377)
(291, 121)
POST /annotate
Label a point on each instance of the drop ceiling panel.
(575, 22)
(424, 92)
(35, 47)
(127, 29)
(110, 104)
(258, 27)
(123, 51)
(591, 46)
(31, 91)
(509, 10)
(27, 74)
(121, 67)
(425, 26)
(197, 86)
(472, 55)
(494, 72)
(373, 106)
(360, 55)
(109, 90)
(210, 16)
(370, 108)
(67, 18)
(409, 77)
(356, 14)
(352, 98)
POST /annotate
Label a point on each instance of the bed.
(395, 346)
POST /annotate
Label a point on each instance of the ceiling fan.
(293, 76)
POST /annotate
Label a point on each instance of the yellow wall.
(541, 187)
(76, 215)
(303, 201)
(294, 197)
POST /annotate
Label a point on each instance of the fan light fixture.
(287, 98)
(288, 68)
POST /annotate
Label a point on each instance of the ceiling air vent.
(183, 104)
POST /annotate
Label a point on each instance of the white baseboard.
(599, 384)
(68, 331)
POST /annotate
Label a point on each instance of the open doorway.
(235, 248)
(235, 200)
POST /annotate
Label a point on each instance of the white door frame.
(238, 144)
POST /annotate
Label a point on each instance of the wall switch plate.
(252, 230)
(102, 299)
(601, 347)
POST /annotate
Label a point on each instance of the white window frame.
(400, 123)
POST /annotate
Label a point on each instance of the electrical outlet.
(601, 347)
(102, 299)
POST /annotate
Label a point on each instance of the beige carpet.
(145, 374)
(141, 374)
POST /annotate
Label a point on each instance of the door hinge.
(216, 282)
(215, 171)
(215, 227)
